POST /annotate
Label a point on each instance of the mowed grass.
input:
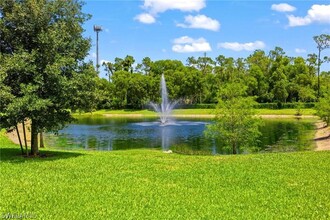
(308, 111)
(148, 184)
(192, 112)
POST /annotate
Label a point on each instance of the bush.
(323, 109)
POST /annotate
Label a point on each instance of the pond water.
(181, 136)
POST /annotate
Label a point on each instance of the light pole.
(97, 29)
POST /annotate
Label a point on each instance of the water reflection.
(180, 136)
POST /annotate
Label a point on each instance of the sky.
(178, 29)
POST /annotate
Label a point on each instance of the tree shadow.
(322, 127)
(322, 138)
(13, 155)
(131, 110)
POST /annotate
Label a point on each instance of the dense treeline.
(273, 77)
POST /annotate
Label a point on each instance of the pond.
(181, 136)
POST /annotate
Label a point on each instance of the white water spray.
(164, 110)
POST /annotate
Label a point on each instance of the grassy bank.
(192, 112)
(139, 184)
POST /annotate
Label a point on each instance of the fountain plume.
(164, 110)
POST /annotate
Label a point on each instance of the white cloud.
(183, 40)
(159, 6)
(187, 44)
(201, 22)
(299, 50)
(154, 7)
(298, 21)
(283, 7)
(317, 14)
(145, 18)
(242, 46)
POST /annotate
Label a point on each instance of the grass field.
(308, 111)
(193, 112)
(148, 184)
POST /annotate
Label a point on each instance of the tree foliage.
(235, 124)
(43, 73)
(323, 42)
(272, 77)
(323, 108)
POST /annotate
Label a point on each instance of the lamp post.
(97, 29)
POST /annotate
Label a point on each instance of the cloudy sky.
(177, 29)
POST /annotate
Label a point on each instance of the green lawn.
(192, 112)
(148, 184)
(308, 111)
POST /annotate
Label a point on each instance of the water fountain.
(164, 110)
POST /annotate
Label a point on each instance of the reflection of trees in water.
(110, 145)
(286, 136)
(180, 137)
(165, 137)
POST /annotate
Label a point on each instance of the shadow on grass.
(13, 155)
(135, 110)
(322, 138)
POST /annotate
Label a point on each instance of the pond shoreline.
(199, 116)
(321, 137)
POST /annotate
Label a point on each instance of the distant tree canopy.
(269, 77)
(43, 74)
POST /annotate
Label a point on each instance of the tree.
(205, 64)
(312, 64)
(109, 68)
(192, 62)
(259, 64)
(325, 81)
(121, 83)
(235, 124)
(137, 92)
(192, 88)
(118, 64)
(323, 108)
(145, 66)
(128, 63)
(224, 68)
(43, 51)
(104, 94)
(257, 83)
(323, 42)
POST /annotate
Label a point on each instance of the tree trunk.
(25, 142)
(34, 139)
(318, 74)
(234, 149)
(42, 145)
(19, 139)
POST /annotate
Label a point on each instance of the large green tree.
(43, 49)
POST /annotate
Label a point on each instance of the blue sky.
(178, 29)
